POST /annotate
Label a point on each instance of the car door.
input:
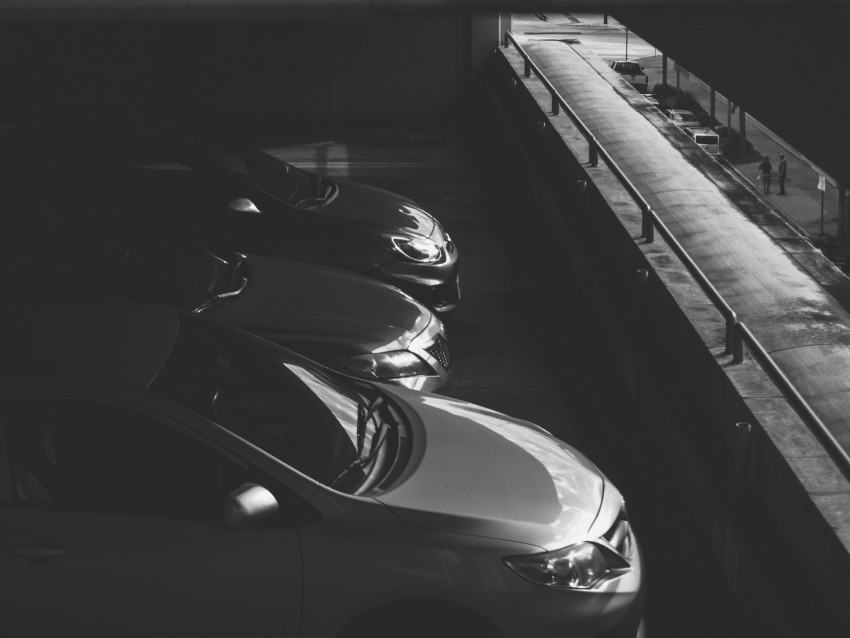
(111, 526)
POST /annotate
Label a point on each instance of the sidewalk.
(802, 203)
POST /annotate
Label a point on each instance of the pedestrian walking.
(765, 170)
(783, 171)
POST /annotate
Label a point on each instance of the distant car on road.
(656, 99)
(633, 72)
(649, 97)
(236, 196)
(682, 118)
(706, 139)
(166, 470)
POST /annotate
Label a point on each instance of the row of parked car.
(704, 136)
(212, 422)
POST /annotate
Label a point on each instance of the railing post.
(556, 106)
(527, 68)
(734, 340)
(647, 228)
(594, 154)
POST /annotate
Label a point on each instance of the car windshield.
(629, 67)
(273, 176)
(288, 409)
(179, 274)
(706, 139)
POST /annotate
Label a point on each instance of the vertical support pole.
(527, 69)
(711, 102)
(842, 210)
(742, 129)
(734, 341)
(556, 106)
(647, 227)
(664, 69)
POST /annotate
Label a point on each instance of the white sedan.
(165, 474)
(682, 118)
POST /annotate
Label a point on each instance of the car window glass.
(90, 457)
(278, 178)
(250, 392)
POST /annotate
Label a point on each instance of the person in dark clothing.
(783, 171)
(765, 170)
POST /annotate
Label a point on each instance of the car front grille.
(440, 351)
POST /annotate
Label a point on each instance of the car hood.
(476, 471)
(380, 209)
(294, 303)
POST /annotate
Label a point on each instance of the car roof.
(94, 341)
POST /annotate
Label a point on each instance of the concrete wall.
(756, 478)
(127, 75)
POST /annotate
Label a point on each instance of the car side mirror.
(243, 205)
(247, 505)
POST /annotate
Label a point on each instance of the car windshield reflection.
(297, 415)
(263, 171)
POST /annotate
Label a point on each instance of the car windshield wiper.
(216, 299)
(364, 415)
(235, 268)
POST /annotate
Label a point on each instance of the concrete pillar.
(742, 129)
(485, 33)
(505, 23)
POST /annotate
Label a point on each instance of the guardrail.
(738, 335)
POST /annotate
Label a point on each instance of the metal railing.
(738, 335)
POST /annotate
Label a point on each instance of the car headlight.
(421, 249)
(579, 566)
(386, 365)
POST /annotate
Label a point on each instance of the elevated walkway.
(766, 489)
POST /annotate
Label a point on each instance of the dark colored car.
(345, 321)
(235, 196)
(163, 473)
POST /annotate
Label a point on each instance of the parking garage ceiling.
(783, 61)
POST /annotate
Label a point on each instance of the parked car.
(705, 138)
(348, 322)
(235, 196)
(166, 470)
(656, 99)
(633, 73)
(682, 118)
